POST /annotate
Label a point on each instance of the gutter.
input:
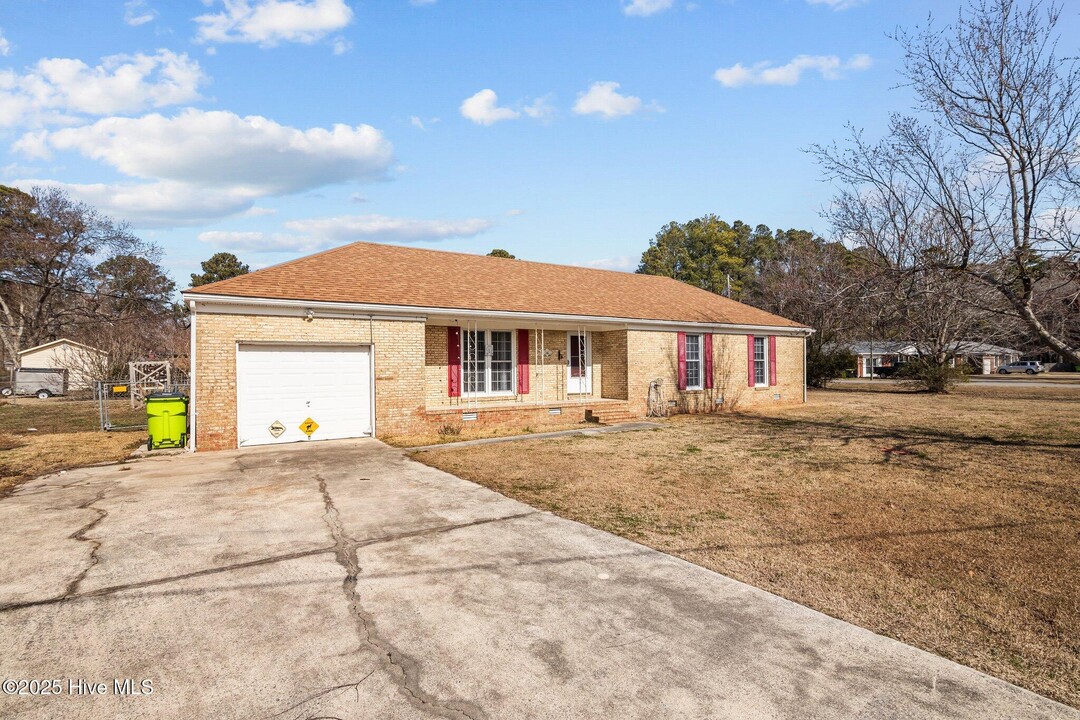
(421, 313)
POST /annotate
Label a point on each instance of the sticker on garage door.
(276, 429)
(308, 427)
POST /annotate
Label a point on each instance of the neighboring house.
(982, 358)
(878, 354)
(83, 363)
(371, 339)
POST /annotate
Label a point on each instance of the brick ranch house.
(372, 339)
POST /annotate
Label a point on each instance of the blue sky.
(562, 131)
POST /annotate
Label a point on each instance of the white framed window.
(761, 362)
(869, 368)
(694, 371)
(487, 362)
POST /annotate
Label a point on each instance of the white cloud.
(420, 123)
(255, 242)
(341, 46)
(644, 8)
(136, 13)
(514, 212)
(156, 204)
(348, 228)
(838, 4)
(5, 45)
(602, 99)
(829, 67)
(316, 234)
(203, 165)
(269, 22)
(483, 109)
(260, 211)
(54, 89)
(223, 149)
(14, 169)
(540, 109)
(33, 145)
(623, 263)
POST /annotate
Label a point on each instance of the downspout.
(192, 411)
(805, 380)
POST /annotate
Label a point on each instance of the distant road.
(1043, 380)
(1040, 380)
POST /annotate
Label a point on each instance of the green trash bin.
(166, 420)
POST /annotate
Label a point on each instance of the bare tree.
(906, 241)
(49, 245)
(821, 284)
(67, 271)
(997, 165)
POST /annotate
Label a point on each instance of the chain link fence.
(122, 406)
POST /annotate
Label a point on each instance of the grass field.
(44, 436)
(951, 523)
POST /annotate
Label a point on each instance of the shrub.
(925, 373)
(449, 430)
(823, 365)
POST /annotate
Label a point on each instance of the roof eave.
(60, 341)
(371, 309)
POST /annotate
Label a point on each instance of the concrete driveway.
(343, 580)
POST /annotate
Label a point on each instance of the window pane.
(760, 368)
(693, 361)
(693, 374)
(473, 361)
(502, 361)
(577, 355)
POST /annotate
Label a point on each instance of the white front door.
(279, 388)
(579, 367)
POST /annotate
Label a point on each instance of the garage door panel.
(291, 383)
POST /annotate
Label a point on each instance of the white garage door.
(280, 388)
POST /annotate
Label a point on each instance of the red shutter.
(706, 343)
(750, 360)
(772, 360)
(682, 361)
(453, 361)
(523, 362)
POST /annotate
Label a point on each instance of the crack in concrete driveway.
(402, 670)
(459, 601)
(95, 545)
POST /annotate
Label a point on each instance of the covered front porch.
(486, 371)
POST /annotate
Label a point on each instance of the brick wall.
(612, 352)
(411, 371)
(525, 416)
(399, 367)
(654, 354)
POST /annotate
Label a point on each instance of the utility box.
(166, 420)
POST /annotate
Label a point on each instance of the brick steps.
(610, 414)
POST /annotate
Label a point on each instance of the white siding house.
(83, 363)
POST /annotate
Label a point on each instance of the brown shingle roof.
(378, 274)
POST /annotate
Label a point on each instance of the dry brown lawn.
(44, 436)
(951, 523)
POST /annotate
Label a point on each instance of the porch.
(496, 374)
(606, 411)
